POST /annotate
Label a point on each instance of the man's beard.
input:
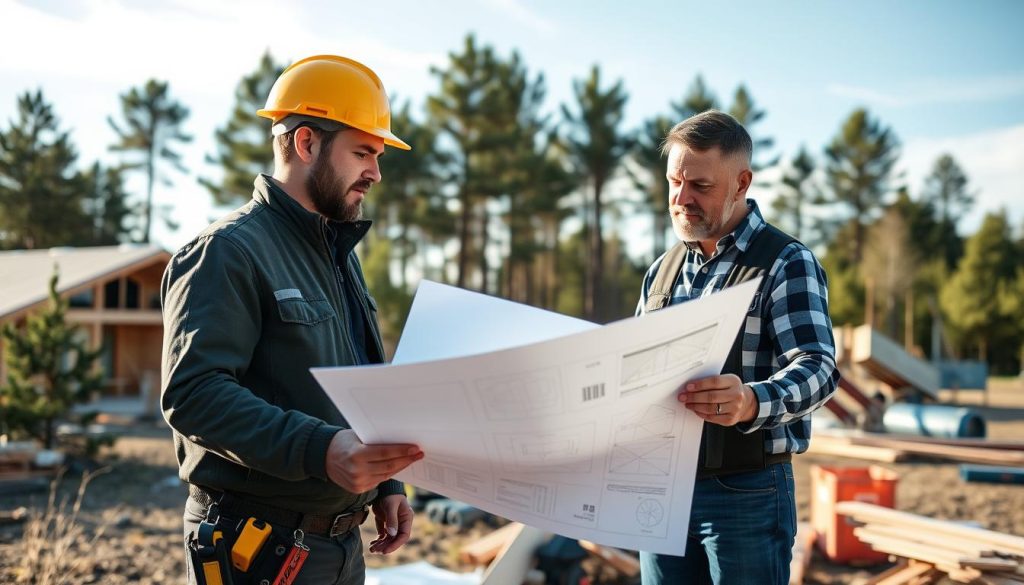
(328, 193)
(704, 228)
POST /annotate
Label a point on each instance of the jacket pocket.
(305, 311)
(371, 303)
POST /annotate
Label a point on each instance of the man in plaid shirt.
(743, 521)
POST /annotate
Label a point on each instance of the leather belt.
(329, 525)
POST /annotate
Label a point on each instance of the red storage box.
(830, 485)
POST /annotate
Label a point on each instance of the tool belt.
(242, 542)
(326, 525)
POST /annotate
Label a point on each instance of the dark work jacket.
(249, 307)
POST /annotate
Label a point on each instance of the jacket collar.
(343, 236)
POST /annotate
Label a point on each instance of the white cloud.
(919, 92)
(517, 10)
(84, 58)
(199, 45)
(994, 164)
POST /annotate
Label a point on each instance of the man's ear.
(306, 144)
(744, 179)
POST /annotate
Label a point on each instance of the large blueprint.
(577, 432)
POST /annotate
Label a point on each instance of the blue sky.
(945, 75)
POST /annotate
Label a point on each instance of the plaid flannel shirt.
(788, 350)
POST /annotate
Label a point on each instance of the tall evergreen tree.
(798, 189)
(463, 108)
(40, 191)
(969, 300)
(651, 179)
(106, 206)
(859, 164)
(698, 98)
(597, 147)
(49, 370)
(411, 191)
(946, 189)
(243, 143)
(152, 124)
(1011, 300)
(521, 164)
(746, 113)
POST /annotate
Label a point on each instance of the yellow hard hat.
(326, 88)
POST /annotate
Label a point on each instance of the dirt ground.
(138, 505)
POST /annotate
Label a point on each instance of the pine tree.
(651, 180)
(153, 121)
(243, 143)
(698, 99)
(49, 369)
(970, 300)
(463, 108)
(597, 147)
(798, 190)
(747, 114)
(860, 160)
(106, 206)
(410, 194)
(946, 189)
(40, 191)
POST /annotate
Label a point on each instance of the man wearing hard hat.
(278, 483)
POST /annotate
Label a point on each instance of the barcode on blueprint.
(593, 392)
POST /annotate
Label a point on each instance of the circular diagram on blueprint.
(649, 513)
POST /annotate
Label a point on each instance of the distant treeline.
(501, 195)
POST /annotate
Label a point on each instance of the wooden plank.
(482, 551)
(914, 447)
(841, 448)
(870, 513)
(882, 439)
(910, 550)
(624, 563)
(904, 572)
(965, 547)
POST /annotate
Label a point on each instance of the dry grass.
(55, 545)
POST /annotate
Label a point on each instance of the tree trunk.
(465, 214)
(597, 257)
(483, 248)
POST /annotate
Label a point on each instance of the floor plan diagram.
(579, 433)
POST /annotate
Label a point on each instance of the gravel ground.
(131, 515)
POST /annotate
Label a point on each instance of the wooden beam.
(482, 551)
(904, 572)
(116, 316)
(827, 446)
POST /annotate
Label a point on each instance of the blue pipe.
(947, 422)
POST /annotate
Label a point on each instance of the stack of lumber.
(936, 548)
(894, 448)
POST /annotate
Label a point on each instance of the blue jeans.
(742, 529)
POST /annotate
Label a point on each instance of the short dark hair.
(708, 130)
(286, 141)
